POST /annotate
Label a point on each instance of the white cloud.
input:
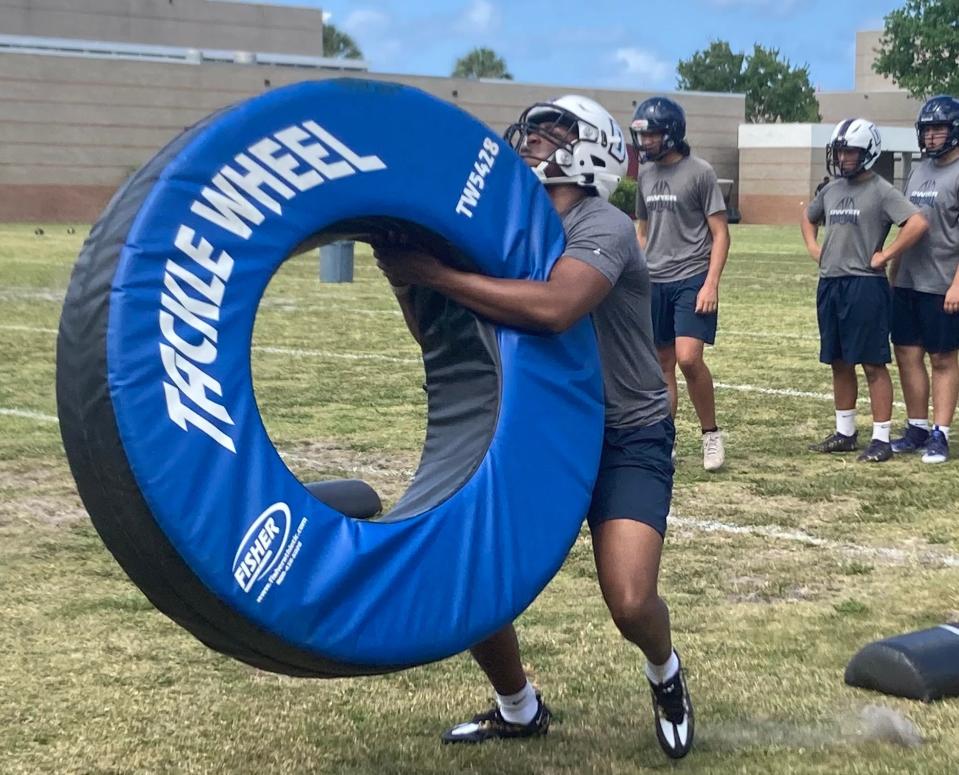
(327, 15)
(364, 20)
(479, 16)
(641, 65)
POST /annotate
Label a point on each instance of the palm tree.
(339, 45)
(481, 63)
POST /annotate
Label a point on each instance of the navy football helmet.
(942, 110)
(659, 114)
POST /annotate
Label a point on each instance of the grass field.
(777, 569)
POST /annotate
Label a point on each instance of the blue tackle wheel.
(162, 431)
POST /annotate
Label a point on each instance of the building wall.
(890, 108)
(72, 129)
(776, 183)
(188, 23)
(867, 80)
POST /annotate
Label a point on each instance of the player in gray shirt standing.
(853, 299)
(578, 151)
(925, 302)
(682, 228)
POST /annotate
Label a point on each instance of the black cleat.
(837, 442)
(673, 715)
(877, 452)
(492, 726)
(913, 439)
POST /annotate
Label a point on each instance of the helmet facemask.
(558, 127)
(666, 143)
(950, 142)
(835, 167)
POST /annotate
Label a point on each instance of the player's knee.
(943, 362)
(634, 610)
(691, 363)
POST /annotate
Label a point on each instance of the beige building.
(780, 166)
(91, 90)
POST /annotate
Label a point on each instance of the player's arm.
(810, 231)
(910, 232)
(642, 232)
(707, 300)
(572, 290)
(951, 304)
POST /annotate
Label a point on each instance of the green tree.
(919, 48)
(624, 197)
(717, 68)
(481, 63)
(339, 45)
(775, 90)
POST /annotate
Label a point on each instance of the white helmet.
(595, 158)
(853, 133)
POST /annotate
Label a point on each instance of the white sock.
(846, 421)
(944, 429)
(519, 708)
(880, 430)
(923, 423)
(660, 674)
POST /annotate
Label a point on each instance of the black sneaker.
(491, 726)
(913, 439)
(877, 452)
(937, 450)
(673, 715)
(837, 442)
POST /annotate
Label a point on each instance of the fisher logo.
(925, 195)
(844, 212)
(262, 546)
(661, 198)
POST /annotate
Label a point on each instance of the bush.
(624, 197)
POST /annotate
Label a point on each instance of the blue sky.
(599, 43)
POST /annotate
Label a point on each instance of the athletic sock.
(519, 708)
(846, 421)
(660, 674)
(880, 430)
(944, 429)
(922, 423)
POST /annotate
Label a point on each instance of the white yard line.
(326, 354)
(28, 414)
(892, 556)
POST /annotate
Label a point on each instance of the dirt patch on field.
(46, 493)
(38, 492)
(389, 473)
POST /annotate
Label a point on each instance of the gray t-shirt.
(930, 265)
(675, 200)
(858, 215)
(602, 236)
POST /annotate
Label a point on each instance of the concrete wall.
(890, 108)
(867, 80)
(188, 23)
(72, 129)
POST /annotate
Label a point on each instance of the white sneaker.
(714, 453)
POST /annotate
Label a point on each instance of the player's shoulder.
(699, 164)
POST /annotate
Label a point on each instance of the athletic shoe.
(913, 439)
(836, 442)
(714, 453)
(673, 715)
(491, 726)
(937, 449)
(877, 452)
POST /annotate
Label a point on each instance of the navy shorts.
(674, 312)
(635, 476)
(919, 320)
(854, 314)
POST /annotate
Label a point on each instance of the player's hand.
(879, 259)
(405, 266)
(951, 304)
(707, 300)
(815, 252)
